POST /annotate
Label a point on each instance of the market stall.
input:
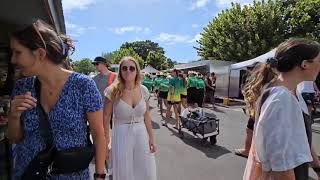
(15, 14)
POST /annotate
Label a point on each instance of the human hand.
(152, 146)
(21, 103)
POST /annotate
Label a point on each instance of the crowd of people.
(179, 90)
(53, 110)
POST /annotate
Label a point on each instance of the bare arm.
(148, 123)
(19, 104)
(15, 131)
(107, 111)
(96, 126)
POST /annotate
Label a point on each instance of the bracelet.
(100, 176)
(316, 169)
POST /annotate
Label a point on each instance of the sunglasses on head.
(34, 25)
(130, 68)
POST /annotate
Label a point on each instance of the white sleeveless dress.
(131, 157)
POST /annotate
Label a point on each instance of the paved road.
(188, 159)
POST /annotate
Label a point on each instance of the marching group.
(51, 107)
(181, 90)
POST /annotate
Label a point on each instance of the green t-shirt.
(147, 82)
(192, 81)
(200, 83)
(157, 82)
(164, 85)
(175, 84)
(183, 86)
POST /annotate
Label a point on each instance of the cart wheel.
(194, 133)
(213, 140)
(204, 141)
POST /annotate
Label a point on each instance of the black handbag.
(51, 161)
(72, 160)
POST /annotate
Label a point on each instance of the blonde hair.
(261, 75)
(290, 54)
(118, 87)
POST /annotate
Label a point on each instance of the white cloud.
(125, 29)
(77, 30)
(227, 3)
(69, 5)
(170, 39)
(199, 4)
(196, 38)
(195, 25)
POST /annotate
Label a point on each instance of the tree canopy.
(146, 52)
(143, 48)
(157, 60)
(116, 56)
(242, 33)
(84, 66)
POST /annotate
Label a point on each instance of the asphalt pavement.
(188, 158)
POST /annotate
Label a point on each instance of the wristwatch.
(100, 176)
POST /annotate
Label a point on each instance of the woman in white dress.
(132, 146)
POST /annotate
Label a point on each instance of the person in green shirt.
(174, 97)
(184, 83)
(201, 85)
(163, 92)
(147, 82)
(192, 88)
(157, 81)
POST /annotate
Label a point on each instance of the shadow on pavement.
(211, 151)
(216, 109)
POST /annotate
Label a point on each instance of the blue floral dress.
(67, 120)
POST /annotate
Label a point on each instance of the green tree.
(117, 55)
(83, 66)
(304, 19)
(242, 33)
(171, 63)
(157, 60)
(143, 48)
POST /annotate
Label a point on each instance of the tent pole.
(229, 78)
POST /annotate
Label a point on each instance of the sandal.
(239, 152)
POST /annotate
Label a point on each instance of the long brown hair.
(289, 55)
(118, 87)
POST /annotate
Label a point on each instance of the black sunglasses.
(130, 68)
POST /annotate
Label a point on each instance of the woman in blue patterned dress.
(69, 100)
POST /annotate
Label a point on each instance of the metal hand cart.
(206, 127)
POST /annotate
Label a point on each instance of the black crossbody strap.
(44, 126)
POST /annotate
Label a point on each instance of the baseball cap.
(100, 60)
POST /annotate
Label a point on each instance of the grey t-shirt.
(102, 82)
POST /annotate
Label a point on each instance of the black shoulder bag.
(51, 161)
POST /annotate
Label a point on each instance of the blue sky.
(103, 25)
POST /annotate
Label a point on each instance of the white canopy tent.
(235, 75)
(250, 62)
(149, 69)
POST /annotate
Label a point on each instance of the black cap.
(100, 60)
